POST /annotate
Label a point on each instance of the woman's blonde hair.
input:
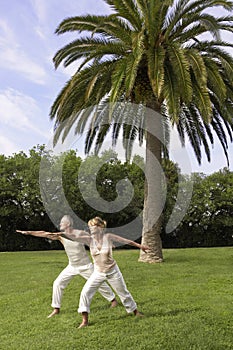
(97, 221)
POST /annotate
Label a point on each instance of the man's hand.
(23, 232)
(53, 235)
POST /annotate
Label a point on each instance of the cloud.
(40, 8)
(20, 111)
(7, 147)
(13, 57)
(41, 13)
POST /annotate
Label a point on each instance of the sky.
(29, 83)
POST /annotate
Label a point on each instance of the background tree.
(208, 221)
(153, 53)
(20, 201)
(101, 187)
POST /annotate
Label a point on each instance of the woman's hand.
(145, 248)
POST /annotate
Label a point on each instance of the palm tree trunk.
(152, 213)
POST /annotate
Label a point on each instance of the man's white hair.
(69, 219)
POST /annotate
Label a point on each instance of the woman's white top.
(102, 256)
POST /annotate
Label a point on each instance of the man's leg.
(58, 288)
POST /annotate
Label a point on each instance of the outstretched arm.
(120, 239)
(42, 234)
(77, 235)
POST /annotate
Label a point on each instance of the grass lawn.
(187, 302)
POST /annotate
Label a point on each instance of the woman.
(105, 268)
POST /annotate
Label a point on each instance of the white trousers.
(116, 280)
(65, 277)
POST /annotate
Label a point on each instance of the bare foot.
(55, 312)
(114, 303)
(83, 324)
(138, 313)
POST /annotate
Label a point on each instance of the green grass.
(187, 302)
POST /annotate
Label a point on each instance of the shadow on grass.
(119, 314)
(176, 259)
(113, 319)
(175, 312)
(160, 313)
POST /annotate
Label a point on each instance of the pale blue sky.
(29, 83)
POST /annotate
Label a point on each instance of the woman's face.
(95, 229)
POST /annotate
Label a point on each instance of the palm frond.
(129, 136)
(156, 59)
(200, 128)
(73, 98)
(133, 62)
(102, 132)
(197, 65)
(181, 71)
(222, 111)
(215, 81)
(186, 13)
(128, 10)
(199, 5)
(218, 128)
(115, 132)
(87, 48)
(186, 126)
(154, 20)
(174, 17)
(171, 93)
(118, 77)
(90, 137)
(108, 26)
(201, 99)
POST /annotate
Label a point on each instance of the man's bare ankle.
(138, 313)
(114, 303)
(83, 324)
(55, 311)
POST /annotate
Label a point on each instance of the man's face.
(64, 224)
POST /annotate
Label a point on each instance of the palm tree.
(165, 55)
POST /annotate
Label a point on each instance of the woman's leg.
(104, 288)
(88, 292)
(117, 282)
